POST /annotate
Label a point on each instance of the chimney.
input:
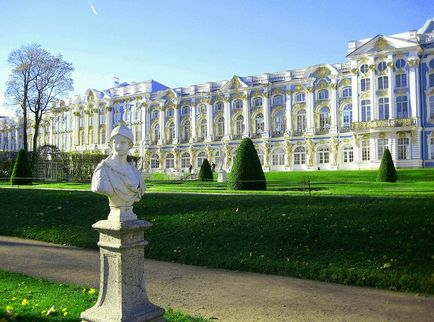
(115, 82)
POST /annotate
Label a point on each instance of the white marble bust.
(115, 177)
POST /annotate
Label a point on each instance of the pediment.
(234, 84)
(382, 43)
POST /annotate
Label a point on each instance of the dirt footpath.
(221, 294)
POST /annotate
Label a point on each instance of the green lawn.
(24, 298)
(411, 182)
(381, 242)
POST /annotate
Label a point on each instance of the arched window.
(81, 119)
(200, 157)
(237, 104)
(259, 123)
(220, 126)
(90, 136)
(299, 156)
(347, 116)
(278, 157)
(186, 131)
(201, 109)
(301, 121)
(277, 100)
(324, 154)
(324, 118)
(101, 117)
(102, 135)
(137, 114)
(155, 114)
(239, 123)
(170, 161)
(257, 101)
(279, 125)
(218, 106)
(346, 91)
(300, 97)
(185, 160)
(348, 154)
(185, 110)
(323, 94)
(203, 128)
(157, 132)
(155, 161)
(171, 131)
(170, 112)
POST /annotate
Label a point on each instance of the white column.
(391, 91)
(162, 126)
(266, 106)
(246, 112)
(355, 94)
(334, 108)
(209, 123)
(96, 126)
(176, 121)
(193, 124)
(373, 96)
(227, 114)
(108, 122)
(288, 113)
(310, 105)
(413, 86)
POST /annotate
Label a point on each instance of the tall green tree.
(387, 171)
(247, 173)
(205, 172)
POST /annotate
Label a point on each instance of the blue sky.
(180, 43)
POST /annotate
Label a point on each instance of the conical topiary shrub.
(246, 173)
(21, 174)
(387, 171)
(205, 173)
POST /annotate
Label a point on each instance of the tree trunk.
(35, 140)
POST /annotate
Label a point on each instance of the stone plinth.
(122, 294)
(221, 176)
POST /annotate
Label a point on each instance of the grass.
(379, 242)
(411, 182)
(28, 299)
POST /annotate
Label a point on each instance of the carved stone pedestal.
(122, 294)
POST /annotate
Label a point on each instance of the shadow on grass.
(36, 318)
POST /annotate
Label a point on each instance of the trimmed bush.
(205, 173)
(22, 173)
(246, 173)
(387, 171)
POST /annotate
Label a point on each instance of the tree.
(20, 80)
(387, 171)
(247, 173)
(22, 173)
(205, 173)
(51, 78)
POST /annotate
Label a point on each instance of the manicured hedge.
(22, 173)
(205, 173)
(387, 171)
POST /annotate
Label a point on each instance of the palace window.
(186, 131)
(279, 126)
(323, 94)
(239, 123)
(401, 80)
(383, 108)
(102, 134)
(324, 118)
(364, 68)
(324, 155)
(203, 129)
(382, 66)
(366, 110)
(155, 114)
(403, 148)
(365, 84)
(382, 144)
(185, 160)
(257, 101)
(201, 109)
(137, 114)
(346, 91)
(260, 156)
(90, 136)
(400, 63)
(171, 131)
(170, 112)
(185, 110)
(366, 152)
(300, 97)
(431, 107)
(101, 117)
(156, 132)
(155, 161)
(138, 133)
(401, 107)
(218, 106)
(200, 158)
(217, 160)
(259, 123)
(277, 100)
(431, 80)
(170, 161)
(220, 126)
(238, 104)
(348, 154)
(301, 121)
(278, 157)
(347, 116)
(299, 156)
(383, 82)
(90, 120)
(81, 119)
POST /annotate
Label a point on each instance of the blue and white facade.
(329, 116)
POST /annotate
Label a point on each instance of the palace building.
(332, 116)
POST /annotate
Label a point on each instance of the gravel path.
(221, 294)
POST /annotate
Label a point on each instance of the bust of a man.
(115, 177)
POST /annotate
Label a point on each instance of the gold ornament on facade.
(344, 82)
(382, 93)
(372, 67)
(412, 62)
(381, 44)
(390, 64)
(323, 85)
(310, 89)
(354, 71)
(322, 72)
(382, 135)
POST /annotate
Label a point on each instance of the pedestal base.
(221, 176)
(122, 294)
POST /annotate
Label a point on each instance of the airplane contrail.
(93, 8)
